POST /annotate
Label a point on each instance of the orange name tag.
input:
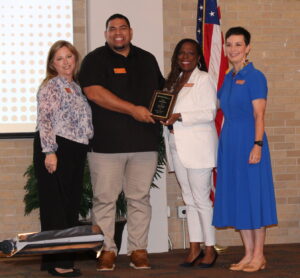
(68, 90)
(240, 82)
(119, 70)
(188, 85)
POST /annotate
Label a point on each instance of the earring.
(246, 62)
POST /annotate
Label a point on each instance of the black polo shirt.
(132, 78)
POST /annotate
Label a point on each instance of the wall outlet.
(181, 211)
(168, 211)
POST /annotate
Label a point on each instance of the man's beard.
(118, 48)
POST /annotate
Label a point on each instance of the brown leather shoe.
(139, 259)
(106, 261)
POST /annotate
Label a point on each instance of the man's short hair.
(114, 16)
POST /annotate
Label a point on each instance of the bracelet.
(49, 153)
(259, 143)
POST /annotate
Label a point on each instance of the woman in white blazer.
(191, 144)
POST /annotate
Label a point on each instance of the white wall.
(146, 20)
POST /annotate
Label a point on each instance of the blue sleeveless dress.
(244, 192)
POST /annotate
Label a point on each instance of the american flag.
(210, 36)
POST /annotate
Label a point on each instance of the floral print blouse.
(64, 111)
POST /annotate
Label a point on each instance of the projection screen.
(28, 29)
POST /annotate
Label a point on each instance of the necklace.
(179, 83)
(245, 63)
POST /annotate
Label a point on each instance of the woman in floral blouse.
(64, 127)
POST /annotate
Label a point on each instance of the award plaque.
(162, 105)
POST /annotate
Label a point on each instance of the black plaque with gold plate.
(162, 105)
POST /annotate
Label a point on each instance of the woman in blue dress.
(245, 196)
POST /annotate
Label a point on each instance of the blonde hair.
(50, 69)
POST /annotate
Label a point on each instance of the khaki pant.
(133, 173)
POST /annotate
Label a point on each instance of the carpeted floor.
(283, 261)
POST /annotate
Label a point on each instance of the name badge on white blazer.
(188, 85)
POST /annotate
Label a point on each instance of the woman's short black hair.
(114, 16)
(239, 31)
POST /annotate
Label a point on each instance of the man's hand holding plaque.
(162, 105)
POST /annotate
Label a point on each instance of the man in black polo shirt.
(119, 80)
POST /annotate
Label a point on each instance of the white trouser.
(195, 186)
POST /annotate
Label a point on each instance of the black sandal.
(192, 263)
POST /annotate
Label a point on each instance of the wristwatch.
(259, 143)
